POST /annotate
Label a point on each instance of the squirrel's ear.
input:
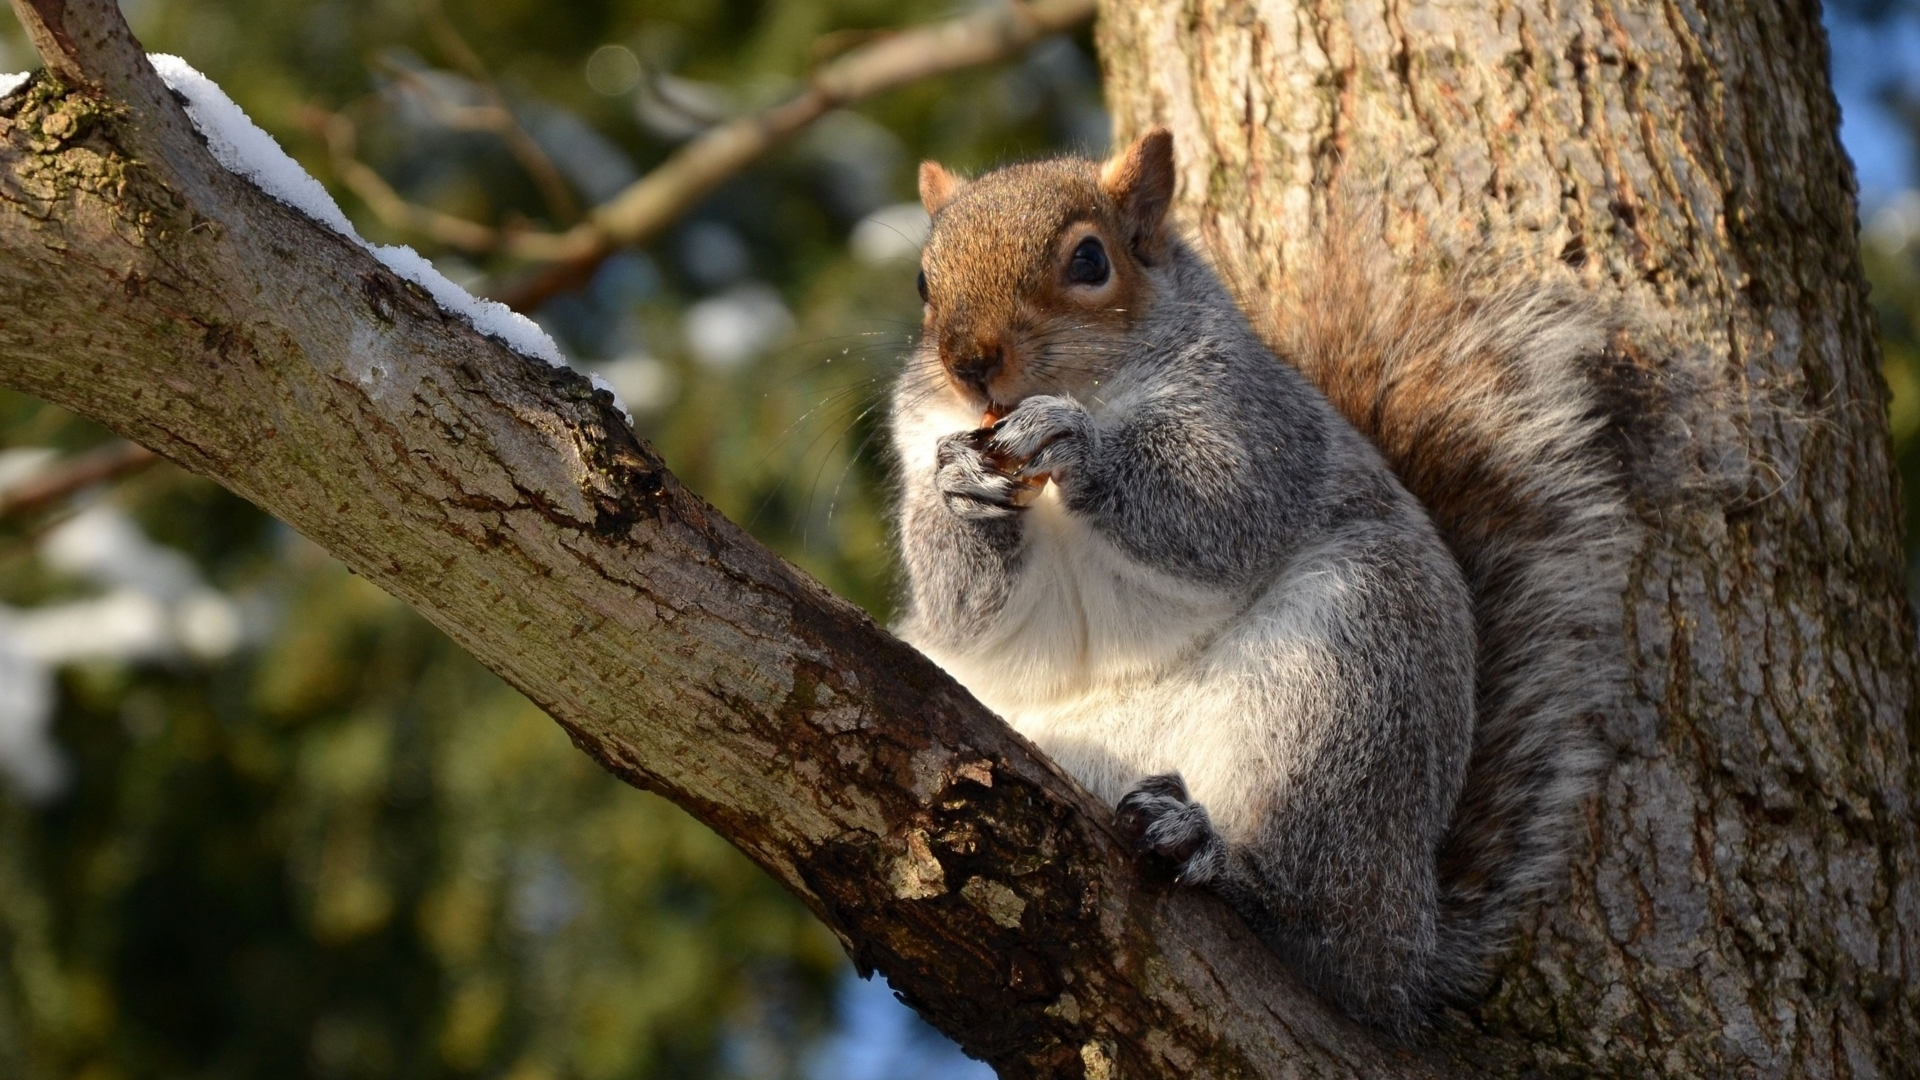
(1140, 182)
(937, 186)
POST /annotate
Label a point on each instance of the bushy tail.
(1486, 399)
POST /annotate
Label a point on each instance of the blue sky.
(1867, 57)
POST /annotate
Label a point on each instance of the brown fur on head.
(1012, 305)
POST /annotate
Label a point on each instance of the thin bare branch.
(651, 203)
(490, 119)
(498, 117)
(341, 136)
(103, 465)
(862, 65)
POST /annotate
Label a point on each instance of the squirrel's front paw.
(1160, 818)
(971, 483)
(1043, 436)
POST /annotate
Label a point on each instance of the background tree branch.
(497, 116)
(148, 288)
(82, 471)
(637, 214)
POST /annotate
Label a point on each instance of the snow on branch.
(239, 144)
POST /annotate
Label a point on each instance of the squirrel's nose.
(978, 369)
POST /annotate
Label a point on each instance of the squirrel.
(1325, 621)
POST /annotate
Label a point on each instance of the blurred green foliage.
(1890, 246)
(354, 853)
(1888, 77)
(347, 851)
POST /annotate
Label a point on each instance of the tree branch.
(498, 118)
(342, 134)
(878, 63)
(75, 474)
(149, 289)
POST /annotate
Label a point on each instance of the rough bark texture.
(1746, 900)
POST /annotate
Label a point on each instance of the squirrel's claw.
(1166, 785)
(1159, 817)
(1042, 436)
(971, 484)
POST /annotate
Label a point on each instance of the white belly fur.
(1120, 672)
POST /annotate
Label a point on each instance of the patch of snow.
(10, 83)
(207, 624)
(156, 607)
(490, 317)
(243, 148)
(240, 145)
(158, 604)
(727, 330)
(646, 382)
(29, 758)
(22, 464)
(103, 545)
(891, 232)
(122, 625)
(600, 383)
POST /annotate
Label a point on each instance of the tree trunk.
(1746, 903)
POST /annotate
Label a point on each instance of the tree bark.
(1751, 861)
(1746, 902)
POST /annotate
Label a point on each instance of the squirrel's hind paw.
(1160, 818)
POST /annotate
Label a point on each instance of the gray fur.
(1226, 616)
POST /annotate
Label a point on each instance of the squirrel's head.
(1035, 274)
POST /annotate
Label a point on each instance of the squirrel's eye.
(921, 284)
(1089, 264)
